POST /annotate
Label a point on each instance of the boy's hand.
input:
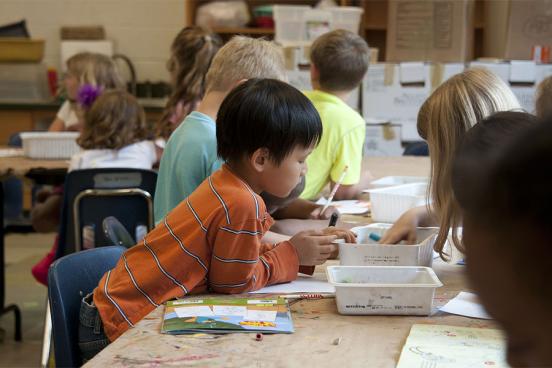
(42, 195)
(317, 213)
(313, 247)
(345, 234)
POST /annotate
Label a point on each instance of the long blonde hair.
(444, 118)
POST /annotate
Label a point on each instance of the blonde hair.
(543, 104)
(114, 121)
(192, 51)
(342, 59)
(95, 69)
(245, 58)
(444, 118)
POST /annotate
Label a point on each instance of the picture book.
(227, 315)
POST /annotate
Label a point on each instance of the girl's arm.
(57, 125)
(405, 227)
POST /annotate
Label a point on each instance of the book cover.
(227, 315)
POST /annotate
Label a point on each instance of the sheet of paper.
(348, 207)
(438, 346)
(466, 304)
(303, 284)
(229, 310)
(261, 316)
(196, 311)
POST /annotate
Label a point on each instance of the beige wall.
(141, 29)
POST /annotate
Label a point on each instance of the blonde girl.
(115, 134)
(444, 118)
(543, 104)
(191, 53)
(85, 68)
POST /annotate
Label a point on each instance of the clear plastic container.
(388, 204)
(368, 252)
(365, 290)
(50, 145)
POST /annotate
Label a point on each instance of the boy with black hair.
(212, 240)
(502, 180)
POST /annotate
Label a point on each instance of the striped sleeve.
(240, 263)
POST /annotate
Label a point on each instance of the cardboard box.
(513, 27)
(522, 77)
(433, 30)
(395, 93)
(300, 79)
(382, 139)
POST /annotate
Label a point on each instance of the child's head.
(268, 127)
(191, 54)
(543, 104)
(91, 68)
(114, 121)
(340, 59)
(245, 58)
(504, 192)
(443, 120)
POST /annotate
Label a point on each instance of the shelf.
(244, 30)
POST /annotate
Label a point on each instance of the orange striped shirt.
(210, 242)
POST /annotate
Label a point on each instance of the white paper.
(196, 311)
(260, 315)
(348, 207)
(229, 310)
(303, 284)
(466, 304)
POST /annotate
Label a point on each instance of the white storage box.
(388, 204)
(50, 145)
(383, 290)
(367, 252)
(346, 17)
(391, 181)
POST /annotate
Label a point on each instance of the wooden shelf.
(244, 30)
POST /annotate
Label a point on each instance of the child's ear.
(314, 73)
(259, 159)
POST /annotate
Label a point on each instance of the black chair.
(3, 307)
(91, 195)
(65, 292)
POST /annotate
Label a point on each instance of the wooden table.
(367, 341)
(20, 166)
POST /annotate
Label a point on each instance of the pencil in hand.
(335, 188)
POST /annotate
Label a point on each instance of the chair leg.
(47, 337)
(17, 313)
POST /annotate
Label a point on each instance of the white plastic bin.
(346, 17)
(50, 145)
(388, 204)
(391, 181)
(381, 290)
(367, 252)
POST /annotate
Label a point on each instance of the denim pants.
(92, 338)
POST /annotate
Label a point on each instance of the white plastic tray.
(381, 290)
(388, 204)
(367, 252)
(50, 145)
(390, 181)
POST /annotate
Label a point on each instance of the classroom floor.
(22, 252)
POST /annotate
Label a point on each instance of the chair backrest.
(91, 195)
(416, 149)
(65, 292)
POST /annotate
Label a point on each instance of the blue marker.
(374, 237)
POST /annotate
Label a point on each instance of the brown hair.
(245, 58)
(341, 58)
(95, 69)
(192, 51)
(114, 121)
(443, 120)
(543, 104)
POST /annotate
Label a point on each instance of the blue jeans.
(92, 338)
